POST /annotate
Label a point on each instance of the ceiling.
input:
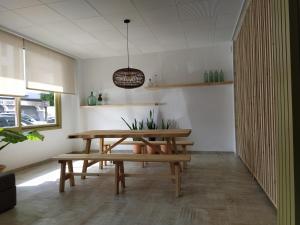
(95, 28)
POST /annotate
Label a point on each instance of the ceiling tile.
(113, 7)
(92, 24)
(16, 4)
(74, 9)
(146, 5)
(162, 15)
(229, 6)
(70, 32)
(196, 10)
(13, 21)
(2, 9)
(40, 14)
(109, 35)
(226, 20)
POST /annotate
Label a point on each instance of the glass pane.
(38, 108)
(8, 113)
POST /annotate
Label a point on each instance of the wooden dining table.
(169, 135)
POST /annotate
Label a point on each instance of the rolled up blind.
(12, 80)
(49, 70)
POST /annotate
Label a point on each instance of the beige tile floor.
(217, 190)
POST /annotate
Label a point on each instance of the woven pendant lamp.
(128, 77)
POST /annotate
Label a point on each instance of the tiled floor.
(217, 190)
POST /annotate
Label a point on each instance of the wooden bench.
(182, 143)
(118, 160)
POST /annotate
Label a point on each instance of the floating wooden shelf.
(122, 105)
(187, 85)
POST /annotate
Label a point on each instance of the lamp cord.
(127, 47)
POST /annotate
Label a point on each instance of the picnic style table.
(169, 135)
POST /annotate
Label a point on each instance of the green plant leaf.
(127, 123)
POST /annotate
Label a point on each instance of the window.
(37, 109)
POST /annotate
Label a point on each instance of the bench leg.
(172, 169)
(62, 176)
(177, 179)
(70, 167)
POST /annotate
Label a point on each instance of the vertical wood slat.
(256, 139)
(263, 101)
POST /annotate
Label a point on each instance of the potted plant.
(151, 126)
(165, 126)
(136, 148)
(12, 137)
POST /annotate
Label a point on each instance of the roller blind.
(11, 65)
(49, 70)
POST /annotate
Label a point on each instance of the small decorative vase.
(100, 99)
(92, 100)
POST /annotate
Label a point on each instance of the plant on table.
(13, 137)
(136, 148)
(165, 126)
(151, 125)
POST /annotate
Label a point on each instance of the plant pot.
(165, 149)
(2, 168)
(137, 149)
(151, 150)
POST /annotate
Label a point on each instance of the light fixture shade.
(128, 78)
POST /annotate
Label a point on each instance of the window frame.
(56, 125)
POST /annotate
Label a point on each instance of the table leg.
(122, 175)
(86, 162)
(184, 151)
(174, 145)
(117, 175)
(101, 151)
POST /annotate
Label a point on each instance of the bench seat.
(118, 160)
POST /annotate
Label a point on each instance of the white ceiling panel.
(40, 14)
(71, 32)
(161, 16)
(113, 7)
(94, 24)
(95, 28)
(3, 9)
(17, 4)
(74, 9)
(146, 5)
(13, 21)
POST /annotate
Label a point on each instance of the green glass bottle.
(206, 77)
(211, 76)
(216, 76)
(92, 100)
(222, 79)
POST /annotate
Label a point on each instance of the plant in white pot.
(151, 125)
(12, 137)
(136, 148)
(165, 126)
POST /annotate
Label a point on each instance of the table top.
(131, 133)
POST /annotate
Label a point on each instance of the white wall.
(208, 111)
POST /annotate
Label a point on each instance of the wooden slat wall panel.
(255, 97)
(263, 100)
